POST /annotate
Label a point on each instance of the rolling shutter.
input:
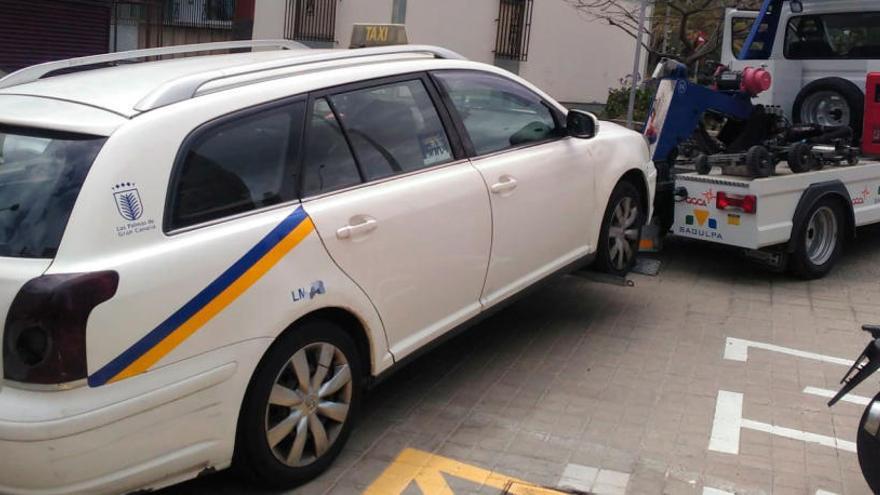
(38, 31)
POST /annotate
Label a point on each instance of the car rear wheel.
(621, 230)
(300, 405)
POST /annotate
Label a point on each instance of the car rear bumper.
(144, 432)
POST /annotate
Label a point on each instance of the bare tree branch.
(689, 19)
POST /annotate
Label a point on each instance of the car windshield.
(40, 177)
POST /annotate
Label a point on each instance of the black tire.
(254, 458)
(801, 158)
(814, 258)
(868, 448)
(846, 90)
(702, 164)
(760, 162)
(852, 159)
(606, 255)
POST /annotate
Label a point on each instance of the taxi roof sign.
(364, 35)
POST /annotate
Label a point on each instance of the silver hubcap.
(623, 233)
(308, 404)
(825, 108)
(821, 238)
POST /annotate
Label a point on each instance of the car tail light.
(745, 204)
(45, 337)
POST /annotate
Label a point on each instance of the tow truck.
(786, 220)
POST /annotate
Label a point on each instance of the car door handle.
(363, 226)
(505, 184)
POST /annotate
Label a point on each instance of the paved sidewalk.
(624, 390)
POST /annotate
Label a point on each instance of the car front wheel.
(621, 230)
(300, 405)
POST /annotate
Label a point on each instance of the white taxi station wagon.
(206, 260)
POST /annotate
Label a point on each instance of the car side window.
(498, 113)
(393, 128)
(328, 163)
(237, 166)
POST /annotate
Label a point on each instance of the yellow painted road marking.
(427, 470)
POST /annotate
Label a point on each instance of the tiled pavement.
(581, 377)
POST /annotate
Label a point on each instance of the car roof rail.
(187, 87)
(37, 72)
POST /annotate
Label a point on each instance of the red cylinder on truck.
(755, 80)
(871, 132)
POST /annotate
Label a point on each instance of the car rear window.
(41, 173)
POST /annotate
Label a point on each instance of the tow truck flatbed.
(759, 213)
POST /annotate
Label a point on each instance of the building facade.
(36, 31)
(544, 41)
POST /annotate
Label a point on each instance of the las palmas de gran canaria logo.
(131, 208)
(128, 201)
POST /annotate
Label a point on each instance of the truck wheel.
(831, 102)
(759, 161)
(819, 240)
(299, 407)
(868, 448)
(801, 159)
(702, 164)
(621, 230)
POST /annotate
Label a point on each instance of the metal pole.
(636, 73)
(666, 29)
(398, 12)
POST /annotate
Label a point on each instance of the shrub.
(618, 101)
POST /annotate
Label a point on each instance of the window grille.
(310, 20)
(514, 29)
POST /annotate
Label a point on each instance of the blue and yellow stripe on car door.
(208, 303)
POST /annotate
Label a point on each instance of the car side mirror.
(796, 6)
(580, 124)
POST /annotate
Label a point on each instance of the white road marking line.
(824, 492)
(714, 491)
(591, 479)
(823, 392)
(729, 421)
(793, 434)
(738, 350)
(610, 482)
(578, 477)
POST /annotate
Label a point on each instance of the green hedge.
(618, 101)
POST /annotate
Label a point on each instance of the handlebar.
(874, 330)
(866, 365)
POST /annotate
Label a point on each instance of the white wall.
(269, 19)
(349, 12)
(575, 59)
(465, 26)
